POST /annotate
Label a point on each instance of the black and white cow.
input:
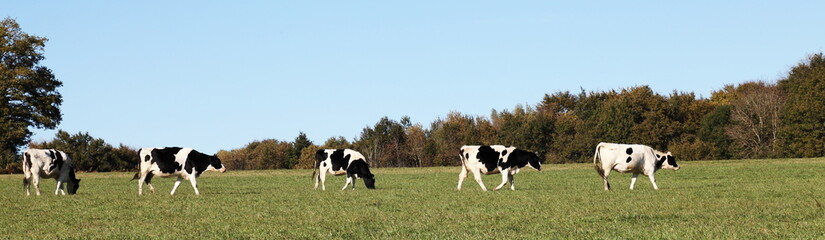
(495, 159)
(48, 163)
(631, 158)
(340, 162)
(184, 163)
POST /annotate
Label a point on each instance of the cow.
(495, 159)
(184, 163)
(631, 158)
(339, 162)
(48, 163)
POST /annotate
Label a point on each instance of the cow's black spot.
(58, 160)
(149, 176)
(147, 158)
(198, 162)
(672, 161)
(320, 156)
(466, 156)
(660, 162)
(361, 169)
(28, 159)
(461, 153)
(520, 158)
(629, 158)
(324, 164)
(503, 153)
(489, 157)
(339, 160)
(629, 151)
(165, 159)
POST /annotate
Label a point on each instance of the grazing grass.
(710, 199)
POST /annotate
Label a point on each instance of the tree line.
(754, 119)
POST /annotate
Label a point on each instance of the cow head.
(534, 161)
(215, 164)
(667, 161)
(369, 182)
(73, 183)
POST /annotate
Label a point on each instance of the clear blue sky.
(218, 75)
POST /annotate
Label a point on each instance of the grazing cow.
(495, 159)
(184, 163)
(339, 162)
(632, 158)
(48, 163)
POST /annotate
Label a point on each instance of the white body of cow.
(48, 163)
(183, 163)
(339, 162)
(631, 158)
(495, 159)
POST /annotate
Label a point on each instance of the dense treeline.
(749, 120)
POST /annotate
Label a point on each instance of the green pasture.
(743, 199)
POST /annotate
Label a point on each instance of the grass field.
(708, 199)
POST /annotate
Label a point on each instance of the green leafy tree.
(92, 154)
(803, 116)
(29, 90)
(339, 142)
(301, 141)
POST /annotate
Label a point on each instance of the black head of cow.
(667, 161)
(370, 182)
(359, 168)
(73, 183)
(534, 161)
(215, 162)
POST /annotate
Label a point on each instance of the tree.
(339, 142)
(91, 154)
(804, 114)
(29, 90)
(301, 142)
(755, 120)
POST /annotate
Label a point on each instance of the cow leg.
(148, 182)
(36, 182)
(477, 176)
(323, 177)
(512, 186)
(354, 179)
(59, 188)
(317, 178)
(461, 176)
(27, 180)
(27, 186)
(141, 180)
(194, 181)
(349, 180)
(505, 175)
(653, 181)
(606, 183)
(633, 180)
(175, 187)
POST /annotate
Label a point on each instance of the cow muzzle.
(223, 170)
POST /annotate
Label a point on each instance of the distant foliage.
(803, 116)
(91, 154)
(749, 120)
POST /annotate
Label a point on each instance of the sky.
(217, 75)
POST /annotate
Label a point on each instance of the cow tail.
(315, 169)
(137, 175)
(26, 169)
(597, 160)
